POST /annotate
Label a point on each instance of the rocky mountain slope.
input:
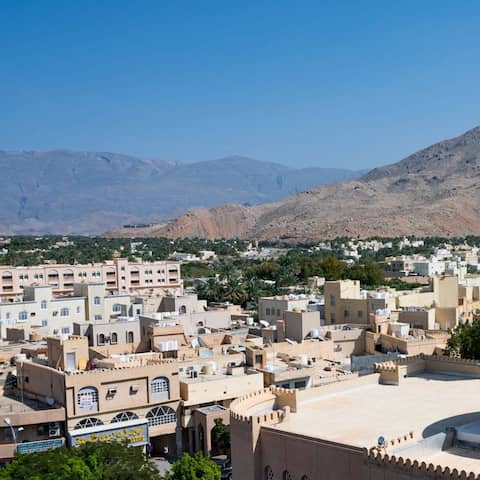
(435, 191)
(88, 192)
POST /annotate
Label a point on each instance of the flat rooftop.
(426, 404)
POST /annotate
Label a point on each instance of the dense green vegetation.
(91, 461)
(24, 250)
(465, 341)
(195, 467)
(104, 461)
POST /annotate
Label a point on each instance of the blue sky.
(306, 83)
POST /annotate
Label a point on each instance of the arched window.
(182, 309)
(114, 338)
(305, 477)
(87, 399)
(117, 308)
(64, 312)
(287, 475)
(68, 274)
(88, 422)
(22, 316)
(101, 339)
(161, 416)
(160, 388)
(268, 473)
(130, 337)
(124, 416)
(96, 300)
(43, 304)
(52, 274)
(7, 275)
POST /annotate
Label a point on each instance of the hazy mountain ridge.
(63, 191)
(435, 191)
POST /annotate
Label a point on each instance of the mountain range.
(69, 192)
(435, 191)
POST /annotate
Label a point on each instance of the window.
(278, 312)
(332, 318)
(44, 323)
(64, 312)
(332, 300)
(101, 339)
(43, 304)
(182, 309)
(124, 416)
(88, 422)
(161, 416)
(23, 316)
(65, 330)
(287, 475)
(346, 313)
(160, 389)
(360, 313)
(267, 312)
(78, 309)
(117, 308)
(7, 315)
(87, 398)
(114, 338)
(97, 317)
(268, 473)
(96, 300)
(130, 337)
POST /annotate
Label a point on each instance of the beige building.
(346, 303)
(270, 309)
(117, 391)
(366, 428)
(119, 276)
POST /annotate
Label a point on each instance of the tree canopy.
(465, 341)
(195, 467)
(91, 461)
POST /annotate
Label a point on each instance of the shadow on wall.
(442, 425)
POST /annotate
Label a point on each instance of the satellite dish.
(381, 442)
(50, 401)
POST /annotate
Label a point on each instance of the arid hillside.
(435, 191)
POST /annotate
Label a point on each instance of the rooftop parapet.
(413, 467)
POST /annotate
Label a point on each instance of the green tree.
(195, 467)
(234, 291)
(465, 341)
(220, 437)
(91, 461)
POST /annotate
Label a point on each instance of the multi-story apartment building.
(41, 312)
(119, 275)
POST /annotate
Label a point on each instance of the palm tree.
(211, 290)
(235, 291)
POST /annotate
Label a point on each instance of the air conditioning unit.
(134, 388)
(53, 429)
(111, 392)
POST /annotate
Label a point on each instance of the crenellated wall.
(245, 428)
(392, 372)
(381, 465)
